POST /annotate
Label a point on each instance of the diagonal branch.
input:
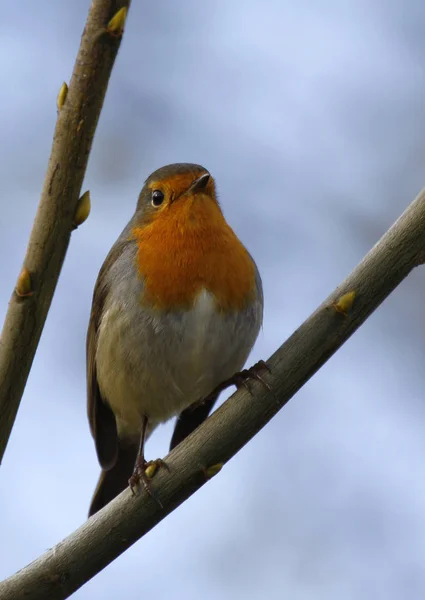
(67, 566)
(75, 128)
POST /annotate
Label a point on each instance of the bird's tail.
(115, 480)
(191, 418)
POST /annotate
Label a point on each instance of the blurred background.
(311, 117)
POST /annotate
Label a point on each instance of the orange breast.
(189, 247)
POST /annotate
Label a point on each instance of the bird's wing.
(101, 418)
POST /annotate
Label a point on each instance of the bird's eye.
(157, 198)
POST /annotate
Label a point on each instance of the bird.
(176, 310)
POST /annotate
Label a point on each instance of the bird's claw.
(143, 472)
(243, 377)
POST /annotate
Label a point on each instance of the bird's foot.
(243, 378)
(143, 472)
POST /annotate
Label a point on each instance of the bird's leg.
(142, 466)
(242, 378)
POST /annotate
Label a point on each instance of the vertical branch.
(79, 109)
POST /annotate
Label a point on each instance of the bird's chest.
(192, 260)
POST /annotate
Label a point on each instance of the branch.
(66, 567)
(79, 110)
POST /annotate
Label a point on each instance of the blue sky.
(310, 115)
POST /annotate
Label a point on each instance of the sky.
(310, 115)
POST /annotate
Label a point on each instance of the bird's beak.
(199, 184)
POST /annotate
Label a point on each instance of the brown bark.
(54, 221)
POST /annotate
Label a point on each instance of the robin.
(176, 310)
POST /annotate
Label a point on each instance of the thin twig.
(79, 110)
(66, 567)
